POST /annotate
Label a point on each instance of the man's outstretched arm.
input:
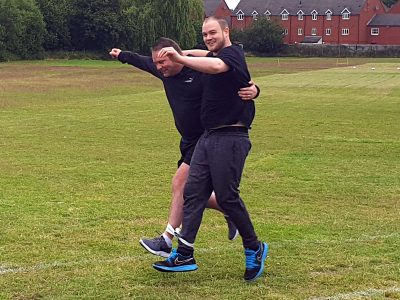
(208, 65)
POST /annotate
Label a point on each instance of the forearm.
(208, 65)
(196, 52)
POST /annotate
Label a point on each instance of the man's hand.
(171, 53)
(115, 52)
(248, 93)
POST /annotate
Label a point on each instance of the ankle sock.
(167, 240)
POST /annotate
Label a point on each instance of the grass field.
(88, 149)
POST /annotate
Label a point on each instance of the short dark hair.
(222, 22)
(163, 42)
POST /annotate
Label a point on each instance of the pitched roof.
(293, 6)
(385, 20)
(210, 6)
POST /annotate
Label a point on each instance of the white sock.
(167, 240)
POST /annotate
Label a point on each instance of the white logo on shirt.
(190, 80)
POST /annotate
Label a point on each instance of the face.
(165, 65)
(213, 36)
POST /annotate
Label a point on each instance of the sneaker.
(156, 246)
(176, 263)
(255, 262)
(233, 233)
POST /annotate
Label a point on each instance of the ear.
(226, 30)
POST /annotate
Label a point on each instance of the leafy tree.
(95, 24)
(24, 28)
(148, 20)
(263, 36)
(56, 15)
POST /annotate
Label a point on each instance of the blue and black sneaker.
(176, 263)
(255, 262)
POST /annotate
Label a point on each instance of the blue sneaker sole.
(186, 268)
(264, 257)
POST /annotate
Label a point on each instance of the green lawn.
(88, 150)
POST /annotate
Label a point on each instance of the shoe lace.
(251, 260)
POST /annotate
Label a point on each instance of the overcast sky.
(232, 3)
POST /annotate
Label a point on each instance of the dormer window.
(300, 15)
(254, 14)
(345, 14)
(240, 15)
(268, 15)
(285, 15)
(314, 15)
(328, 14)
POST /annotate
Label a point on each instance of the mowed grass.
(88, 150)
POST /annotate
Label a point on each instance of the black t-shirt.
(221, 103)
(183, 91)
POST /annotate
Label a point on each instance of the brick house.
(319, 21)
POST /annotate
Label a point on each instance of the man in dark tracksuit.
(221, 151)
(183, 87)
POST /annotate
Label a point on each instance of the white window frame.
(268, 15)
(285, 31)
(375, 31)
(345, 14)
(285, 15)
(328, 14)
(328, 31)
(314, 31)
(240, 15)
(300, 15)
(314, 15)
(254, 14)
(345, 31)
(299, 31)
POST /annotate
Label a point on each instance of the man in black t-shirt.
(221, 151)
(183, 87)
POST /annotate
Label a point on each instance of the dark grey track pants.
(217, 164)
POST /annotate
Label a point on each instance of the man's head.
(165, 65)
(216, 34)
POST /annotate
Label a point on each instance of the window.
(345, 31)
(300, 15)
(345, 14)
(254, 14)
(314, 15)
(285, 31)
(299, 31)
(313, 31)
(285, 15)
(374, 31)
(328, 31)
(240, 15)
(328, 14)
(268, 15)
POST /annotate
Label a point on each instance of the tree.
(263, 36)
(56, 15)
(148, 20)
(23, 29)
(96, 24)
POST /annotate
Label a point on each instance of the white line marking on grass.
(358, 294)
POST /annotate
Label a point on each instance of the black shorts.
(187, 149)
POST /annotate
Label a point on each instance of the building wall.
(395, 9)
(387, 36)
(359, 32)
